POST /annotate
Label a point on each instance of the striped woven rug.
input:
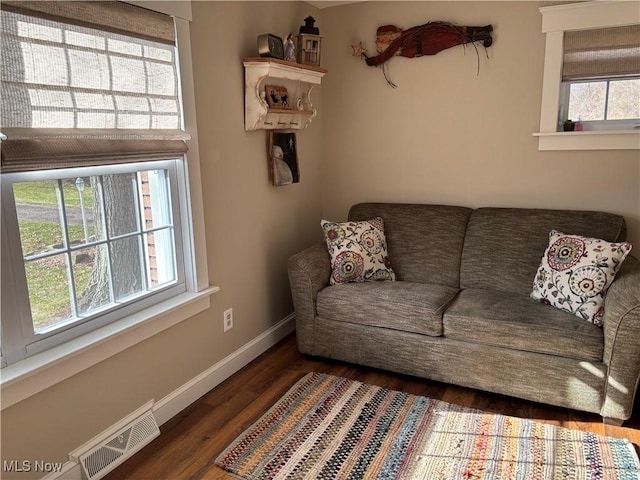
(328, 427)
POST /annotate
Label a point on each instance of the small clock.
(270, 45)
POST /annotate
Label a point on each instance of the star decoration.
(359, 50)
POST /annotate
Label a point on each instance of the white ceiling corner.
(330, 3)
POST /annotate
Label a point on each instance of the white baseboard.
(185, 395)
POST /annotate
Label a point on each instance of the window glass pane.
(76, 272)
(160, 258)
(37, 236)
(48, 284)
(624, 99)
(38, 217)
(587, 101)
(126, 267)
(155, 196)
(121, 203)
(80, 211)
(91, 277)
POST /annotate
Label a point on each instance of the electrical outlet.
(227, 320)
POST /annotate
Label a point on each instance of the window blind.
(86, 83)
(601, 53)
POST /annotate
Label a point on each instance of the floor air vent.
(103, 454)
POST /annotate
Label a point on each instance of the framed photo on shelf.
(277, 96)
(283, 158)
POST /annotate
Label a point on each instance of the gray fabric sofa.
(461, 311)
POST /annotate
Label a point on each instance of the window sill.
(592, 140)
(34, 374)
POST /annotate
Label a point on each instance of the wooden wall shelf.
(297, 78)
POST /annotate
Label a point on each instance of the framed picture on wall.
(283, 158)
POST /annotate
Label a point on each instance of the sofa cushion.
(424, 241)
(513, 321)
(575, 273)
(358, 251)
(503, 246)
(412, 307)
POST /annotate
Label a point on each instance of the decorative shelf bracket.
(297, 78)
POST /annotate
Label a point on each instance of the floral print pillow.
(358, 251)
(576, 272)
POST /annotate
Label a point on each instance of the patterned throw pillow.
(358, 251)
(576, 272)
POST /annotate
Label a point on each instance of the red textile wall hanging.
(427, 39)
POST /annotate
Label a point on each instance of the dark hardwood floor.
(190, 442)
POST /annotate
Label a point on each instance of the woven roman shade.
(601, 53)
(37, 149)
(87, 83)
(110, 16)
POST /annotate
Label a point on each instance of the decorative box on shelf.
(308, 49)
(287, 104)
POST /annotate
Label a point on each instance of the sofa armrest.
(622, 341)
(309, 272)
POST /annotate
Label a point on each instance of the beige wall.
(447, 135)
(252, 228)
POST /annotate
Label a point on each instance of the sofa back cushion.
(424, 241)
(503, 246)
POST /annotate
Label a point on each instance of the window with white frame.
(93, 169)
(591, 74)
(615, 101)
(601, 77)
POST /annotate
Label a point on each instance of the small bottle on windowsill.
(579, 125)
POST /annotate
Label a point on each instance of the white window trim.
(34, 374)
(555, 21)
(35, 342)
(43, 370)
